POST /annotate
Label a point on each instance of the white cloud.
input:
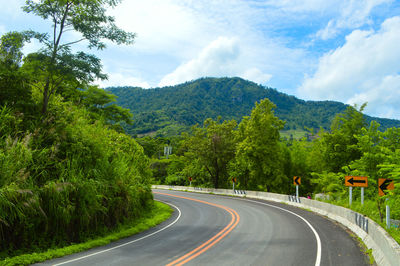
(2, 29)
(365, 68)
(118, 79)
(383, 99)
(353, 14)
(222, 57)
(256, 75)
(161, 26)
(300, 6)
(214, 60)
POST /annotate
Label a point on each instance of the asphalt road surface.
(209, 229)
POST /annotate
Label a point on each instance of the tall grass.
(66, 179)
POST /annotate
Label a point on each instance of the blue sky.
(347, 51)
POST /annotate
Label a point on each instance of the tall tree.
(57, 63)
(213, 147)
(100, 103)
(341, 143)
(259, 162)
(14, 85)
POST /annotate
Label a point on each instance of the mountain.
(172, 109)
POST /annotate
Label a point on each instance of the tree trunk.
(46, 97)
(216, 180)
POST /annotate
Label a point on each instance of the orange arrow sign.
(356, 181)
(296, 180)
(385, 184)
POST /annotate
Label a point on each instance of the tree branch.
(70, 43)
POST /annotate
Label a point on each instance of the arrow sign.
(356, 181)
(296, 180)
(385, 184)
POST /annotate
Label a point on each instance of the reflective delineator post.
(387, 216)
(350, 195)
(362, 195)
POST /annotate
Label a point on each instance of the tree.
(213, 147)
(55, 64)
(99, 102)
(14, 84)
(341, 143)
(259, 162)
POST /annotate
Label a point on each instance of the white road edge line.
(130, 242)
(318, 259)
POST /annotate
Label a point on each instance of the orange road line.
(212, 244)
(212, 241)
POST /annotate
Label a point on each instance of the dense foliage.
(67, 173)
(172, 110)
(254, 154)
(66, 178)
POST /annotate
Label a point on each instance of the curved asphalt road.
(216, 230)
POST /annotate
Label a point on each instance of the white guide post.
(350, 195)
(362, 195)
(387, 216)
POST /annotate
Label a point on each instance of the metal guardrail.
(361, 221)
(293, 198)
(394, 223)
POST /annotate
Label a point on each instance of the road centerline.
(212, 241)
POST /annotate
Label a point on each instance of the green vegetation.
(171, 110)
(260, 159)
(158, 214)
(67, 172)
(294, 134)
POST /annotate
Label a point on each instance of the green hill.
(169, 110)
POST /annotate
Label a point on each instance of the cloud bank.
(365, 69)
(220, 58)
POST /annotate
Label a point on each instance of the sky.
(340, 50)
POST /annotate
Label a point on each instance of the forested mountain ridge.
(173, 108)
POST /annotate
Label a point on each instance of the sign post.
(385, 184)
(362, 195)
(356, 181)
(350, 195)
(297, 182)
(190, 181)
(233, 184)
(167, 151)
(387, 216)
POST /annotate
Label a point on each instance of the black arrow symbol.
(352, 181)
(385, 184)
(296, 180)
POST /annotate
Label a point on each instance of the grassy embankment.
(158, 214)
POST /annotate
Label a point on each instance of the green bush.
(67, 180)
